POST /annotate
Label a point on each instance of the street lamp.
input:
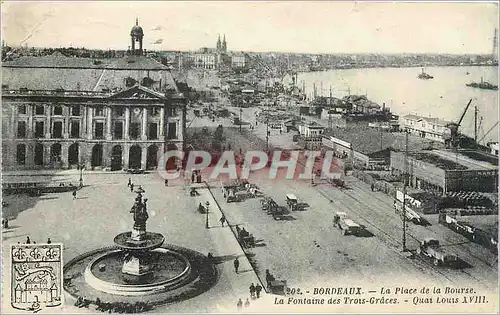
(81, 175)
(206, 211)
(241, 110)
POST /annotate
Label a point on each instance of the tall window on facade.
(118, 130)
(99, 130)
(75, 110)
(172, 130)
(57, 129)
(99, 111)
(58, 110)
(153, 131)
(39, 110)
(22, 109)
(39, 129)
(171, 111)
(119, 111)
(155, 111)
(21, 129)
(135, 131)
(21, 154)
(75, 129)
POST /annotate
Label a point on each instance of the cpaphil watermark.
(279, 164)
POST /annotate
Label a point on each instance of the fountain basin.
(169, 271)
(149, 241)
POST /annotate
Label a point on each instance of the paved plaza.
(101, 211)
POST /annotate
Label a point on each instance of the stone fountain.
(139, 266)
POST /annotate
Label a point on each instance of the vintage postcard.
(249, 157)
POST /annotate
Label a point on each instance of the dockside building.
(445, 171)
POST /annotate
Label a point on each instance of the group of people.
(114, 307)
(196, 175)
(254, 294)
(29, 241)
(239, 304)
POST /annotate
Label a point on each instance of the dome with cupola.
(137, 30)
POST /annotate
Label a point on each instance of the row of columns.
(85, 151)
(87, 123)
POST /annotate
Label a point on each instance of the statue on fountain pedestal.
(140, 217)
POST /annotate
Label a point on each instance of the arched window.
(21, 154)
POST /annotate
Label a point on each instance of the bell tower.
(136, 36)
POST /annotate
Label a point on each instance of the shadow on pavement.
(14, 236)
(221, 259)
(365, 233)
(424, 222)
(302, 206)
(460, 264)
(48, 198)
(17, 204)
(285, 218)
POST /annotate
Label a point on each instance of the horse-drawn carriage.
(246, 239)
(272, 208)
(292, 202)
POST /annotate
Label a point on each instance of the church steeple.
(218, 43)
(224, 44)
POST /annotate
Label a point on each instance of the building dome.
(137, 30)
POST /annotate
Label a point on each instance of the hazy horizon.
(337, 28)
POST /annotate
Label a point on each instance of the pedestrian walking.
(373, 187)
(222, 220)
(74, 194)
(132, 187)
(28, 241)
(239, 304)
(247, 303)
(258, 288)
(198, 178)
(252, 291)
(166, 182)
(236, 265)
(6, 223)
(49, 241)
(192, 177)
(129, 182)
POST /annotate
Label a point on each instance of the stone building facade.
(60, 112)
(126, 130)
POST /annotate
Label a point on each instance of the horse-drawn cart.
(277, 287)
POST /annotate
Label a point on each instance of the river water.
(443, 97)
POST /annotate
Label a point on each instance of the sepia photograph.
(249, 157)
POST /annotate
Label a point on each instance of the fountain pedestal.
(136, 265)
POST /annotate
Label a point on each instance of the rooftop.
(488, 223)
(59, 60)
(469, 158)
(431, 120)
(438, 161)
(364, 139)
(58, 72)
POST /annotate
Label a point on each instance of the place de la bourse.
(61, 112)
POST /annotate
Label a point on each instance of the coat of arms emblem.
(36, 280)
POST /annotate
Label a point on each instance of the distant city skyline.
(295, 27)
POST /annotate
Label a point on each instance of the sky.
(286, 26)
